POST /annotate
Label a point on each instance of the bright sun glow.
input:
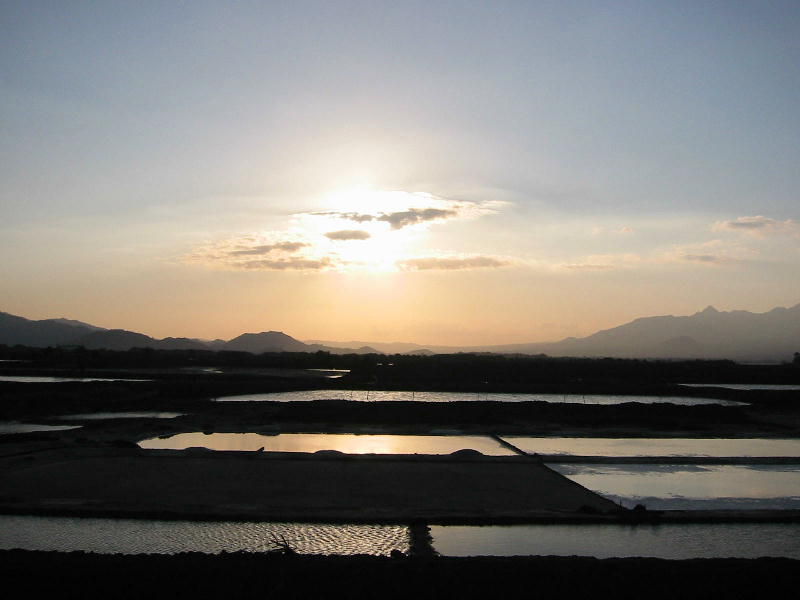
(370, 229)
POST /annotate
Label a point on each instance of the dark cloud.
(588, 267)
(349, 216)
(412, 216)
(348, 234)
(289, 264)
(397, 220)
(710, 259)
(267, 248)
(435, 263)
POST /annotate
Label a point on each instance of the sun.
(353, 225)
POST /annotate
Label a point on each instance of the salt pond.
(746, 386)
(755, 447)
(313, 442)
(129, 536)
(14, 427)
(742, 540)
(120, 415)
(691, 487)
(43, 379)
(141, 536)
(404, 396)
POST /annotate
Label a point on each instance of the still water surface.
(747, 386)
(756, 447)
(344, 442)
(744, 540)
(120, 415)
(403, 396)
(42, 379)
(139, 536)
(691, 487)
(14, 427)
(133, 536)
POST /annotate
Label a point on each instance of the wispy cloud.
(710, 259)
(759, 225)
(289, 264)
(396, 220)
(269, 248)
(281, 255)
(449, 263)
(348, 234)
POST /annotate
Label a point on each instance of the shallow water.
(756, 447)
(403, 396)
(43, 379)
(140, 536)
(134, 536)
(744, 540)
(746, 386)
(313, 442)
(120, 415)
(13, 427)
(691, 487)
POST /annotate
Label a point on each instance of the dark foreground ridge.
(242, 575)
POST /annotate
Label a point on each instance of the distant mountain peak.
(709, 310)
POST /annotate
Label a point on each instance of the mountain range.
(738, 335)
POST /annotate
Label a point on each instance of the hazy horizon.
(440, 173)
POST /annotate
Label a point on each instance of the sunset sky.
(438, 172)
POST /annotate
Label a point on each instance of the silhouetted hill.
(266, 341)
(75, 323)
(117, 339)
(49, 332)
(737, 335)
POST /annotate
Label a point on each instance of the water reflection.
(691, 487)
(139, 536)
(742, 540)
(404, 396)
(43, 379)
(14, 427)
(746, 386)
(313, 442)
(120, 415)
(658, 446)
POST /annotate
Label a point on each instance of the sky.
(438, 172)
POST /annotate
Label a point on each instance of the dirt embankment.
(78, 575)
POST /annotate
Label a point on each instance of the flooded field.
(313, 442)
(691, 487)
(96, 416)
(45, 379)
(142, 536)
(607, 541)
(757, 447)
(14, 427)
(747, 386)
(404, 396)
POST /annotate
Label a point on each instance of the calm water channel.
(402, 396)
